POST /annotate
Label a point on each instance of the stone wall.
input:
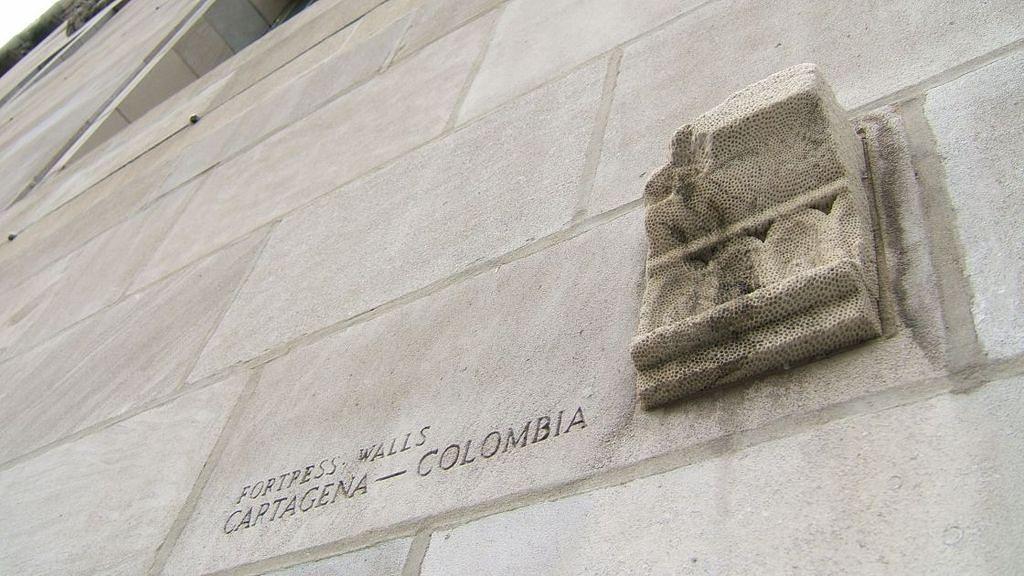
(372, 313)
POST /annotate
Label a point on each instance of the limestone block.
(206, 150)
(524, 162)
(933, 487)
(980, 139)
(103, 504)
(508, 348)
(435, 18)
(290, 40)
(355, 133)
(381, 18)
(313, 79)
(381, 560)
(761, 247)
(119, 359)
(88, 280)
(82, 218)
(537, 40)
(665, 75)
(23, 305)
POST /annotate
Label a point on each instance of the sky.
(16, 15)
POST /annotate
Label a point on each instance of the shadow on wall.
(227, 27)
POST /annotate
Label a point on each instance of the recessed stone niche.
(761, 246)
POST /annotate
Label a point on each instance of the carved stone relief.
(761, 245)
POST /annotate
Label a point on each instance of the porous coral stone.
(761, 247)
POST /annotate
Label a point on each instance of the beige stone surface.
(121, 358)
(93, 277)
(51, 111)
(203, 151)
(444, 298)
(479, 193)
(311, 85)
(435, 18)
(508, 349)
(380, 18)
(291, 39)
(976, 120)
(930, 487)
(762, 252)
(332, 46)
(104, 503)
(160, 129)
(381, 560)
(666, 78)
(27, 149)
(24, 303)
(84, 217)
(377, 122)
(227, 106)
(537, 40)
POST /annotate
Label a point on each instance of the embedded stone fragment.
(761, 247)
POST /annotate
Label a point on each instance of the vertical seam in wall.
(228, 305)
(417, 552)
(344, 45)
(453, 120)
(262, 17)
(455, 28)
(197, 75)
(163, 551)
(558, 74)
(596, 145)
(398, 44)
(143, 264)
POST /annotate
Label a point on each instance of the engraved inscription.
(331, 481)
(496, 442)
(377, 451)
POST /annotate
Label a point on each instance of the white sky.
(16, 15)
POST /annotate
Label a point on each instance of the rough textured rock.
(761, 249)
